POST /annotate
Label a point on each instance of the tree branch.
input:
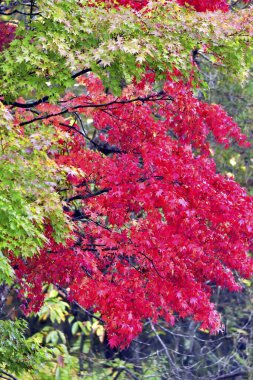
(79, 196)
(19, 12)
(149, 98)
(45, 98)
(164, 347)
(7, 374)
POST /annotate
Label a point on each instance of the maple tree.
(114, 196)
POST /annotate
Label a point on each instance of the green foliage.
(16, 352)
(70, 341)
(27, 196)
(54, 308)
(69, 36)
(6, 271)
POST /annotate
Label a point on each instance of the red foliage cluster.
(156, 224)
(206, 5)
(7, 34)
(198, 5)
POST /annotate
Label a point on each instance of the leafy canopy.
(112, 146)
(117, 44)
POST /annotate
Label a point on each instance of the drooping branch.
(28, 105)
(18, 12)
(149, 98)
(45, 98)
(101, 148)
(91, 195)
(7, 375)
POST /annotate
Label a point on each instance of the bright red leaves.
(198, 5)
(153, 223)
